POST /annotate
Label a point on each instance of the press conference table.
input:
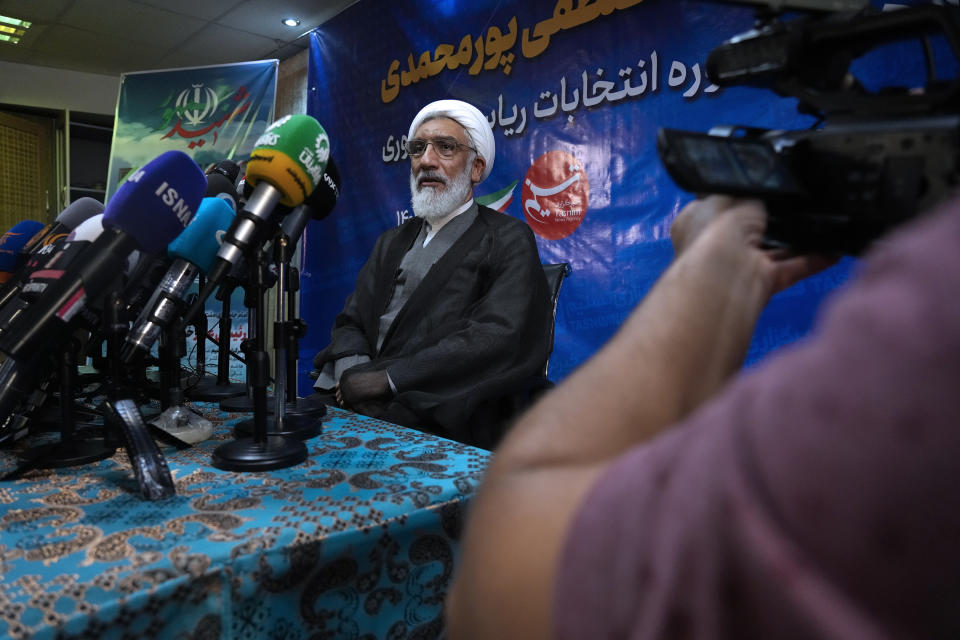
(357, 542)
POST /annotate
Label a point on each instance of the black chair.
(503, 411)
(532, 388)
(555, 275)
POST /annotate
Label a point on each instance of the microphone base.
(304, 406)
(57, 455)
(191, 380)
(214, 392)
(307, 407)
(245, 454)
(48, 419)
(303, 425)
(73, 454)
(243, 404)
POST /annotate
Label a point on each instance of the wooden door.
(26, 171)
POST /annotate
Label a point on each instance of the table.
(358, 542)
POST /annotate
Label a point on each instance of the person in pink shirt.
(660, 492)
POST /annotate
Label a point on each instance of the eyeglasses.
(446, 147)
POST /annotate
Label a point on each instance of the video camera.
(872, 159)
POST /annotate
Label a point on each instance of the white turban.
(470, 118)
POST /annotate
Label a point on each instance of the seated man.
(811, 497)
(451, 310)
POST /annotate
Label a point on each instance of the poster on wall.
(575, 93)
(211, 113)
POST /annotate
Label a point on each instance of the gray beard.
(433, 205)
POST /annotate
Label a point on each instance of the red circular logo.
(555, 195)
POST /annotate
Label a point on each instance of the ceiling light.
(12, 29)
(291, 22)
(17, 22)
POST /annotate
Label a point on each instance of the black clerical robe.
(476, 327)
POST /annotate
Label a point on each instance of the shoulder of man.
(413, 221)
(409, 227)
(497, 219)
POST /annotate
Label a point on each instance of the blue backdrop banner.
(575, 93)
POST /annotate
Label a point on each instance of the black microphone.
(222, 181)
(317, 206)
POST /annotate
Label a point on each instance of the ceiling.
(111, 37)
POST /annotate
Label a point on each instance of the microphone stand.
(68, 451)
(244, 403)
(290, 418)
(201, 325)
(177, 424)
(295, 329)
(148, 464)
(261, 452)
(222, 387)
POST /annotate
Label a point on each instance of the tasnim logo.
(555, 195)
(315, 161)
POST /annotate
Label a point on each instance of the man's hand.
(359, 387)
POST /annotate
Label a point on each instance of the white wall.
(49, 88)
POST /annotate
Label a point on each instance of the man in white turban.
(451, 311)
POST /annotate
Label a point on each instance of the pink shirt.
(817, 497)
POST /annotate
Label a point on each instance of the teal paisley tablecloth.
(358, 542)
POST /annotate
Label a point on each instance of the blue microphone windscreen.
(13, 240)
(200, 241)
(157, 202)
(78, 211)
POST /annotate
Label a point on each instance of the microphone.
(287, 162)
(147, 212)
(317, 205)
(71, 217)
(324, 198)
(42, 269)
(12, 244)
(68, 220)
(46, 269)
(222, 180)
(194, 252)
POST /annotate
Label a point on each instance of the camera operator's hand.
(732, 231)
